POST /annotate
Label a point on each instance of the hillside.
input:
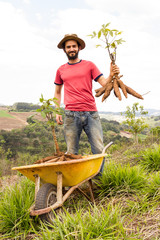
(15, 120)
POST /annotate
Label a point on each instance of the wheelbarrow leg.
(91, 190)
(59, 188)
(91, 198)
(37, 184)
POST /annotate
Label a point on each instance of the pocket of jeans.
(94, 115)
(69, 119)
(69, 113)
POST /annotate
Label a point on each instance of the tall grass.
(118, 179)
(127, 194)
(14, 204)
(150, 158)
(86, 224)
(154, 186)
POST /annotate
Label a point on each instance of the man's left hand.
(114, 69)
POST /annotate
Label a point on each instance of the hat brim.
(79, 40)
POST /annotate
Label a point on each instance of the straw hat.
(71, 37)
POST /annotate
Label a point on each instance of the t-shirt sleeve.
(95, 72)
(58, 80)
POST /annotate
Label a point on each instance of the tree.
(134, 119)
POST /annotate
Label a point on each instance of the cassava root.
(115, 83)
(59, 157)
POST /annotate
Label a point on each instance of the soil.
(18, 120)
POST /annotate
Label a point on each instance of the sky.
(31, 29)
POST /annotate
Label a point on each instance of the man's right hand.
(59, 119)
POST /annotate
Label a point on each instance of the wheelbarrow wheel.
(46, 197)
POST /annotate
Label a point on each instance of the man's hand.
(59, 119)
(114, 69)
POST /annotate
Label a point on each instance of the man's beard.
(72, 57)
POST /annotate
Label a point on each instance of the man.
(80, 108)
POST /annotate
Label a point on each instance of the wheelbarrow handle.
(107, 146)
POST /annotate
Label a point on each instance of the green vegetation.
(5, 114)
(127, 195)
(35, 141)
(136, 124)
(123, 194)
(24, 107)
(150, 158)
(121, 179)
(48, 112)
(14, 204)
(91, 223)
(109, 39)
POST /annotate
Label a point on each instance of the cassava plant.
(109, 38)
(47, 111)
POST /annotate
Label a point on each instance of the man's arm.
(113, 70)
(102, 80)
(57, 94)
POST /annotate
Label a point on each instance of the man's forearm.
(58, 96)
(102, 80)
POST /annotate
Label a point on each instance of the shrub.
(150, 158)
(154, 185)
(118, 179)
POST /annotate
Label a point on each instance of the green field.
(5, 114)
(151, 122)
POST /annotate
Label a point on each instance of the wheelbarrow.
(51, 179)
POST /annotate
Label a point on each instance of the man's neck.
(74, 61)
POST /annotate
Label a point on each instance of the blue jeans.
(75, 122)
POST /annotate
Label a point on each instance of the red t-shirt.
(77, 79)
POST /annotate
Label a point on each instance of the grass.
(91, 223)
(151, 122)
(5, 114)
(119, 179)
(127, 206)
(150, 158)
(14, 204)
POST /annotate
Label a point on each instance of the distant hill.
(151, 112)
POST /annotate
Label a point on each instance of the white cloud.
(125, 7)
(26, 58)
(26, 1)
(29, 56)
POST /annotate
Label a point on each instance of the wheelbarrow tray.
(73, 171)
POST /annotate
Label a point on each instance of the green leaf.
(38, 110)
(99, 34)
(119, 41)
(98, 46)
(113, 45)
(94, 33)
(119, 33)
(111, 33)
(107, 24)
(43, 114)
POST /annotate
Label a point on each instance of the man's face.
(71, 49)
